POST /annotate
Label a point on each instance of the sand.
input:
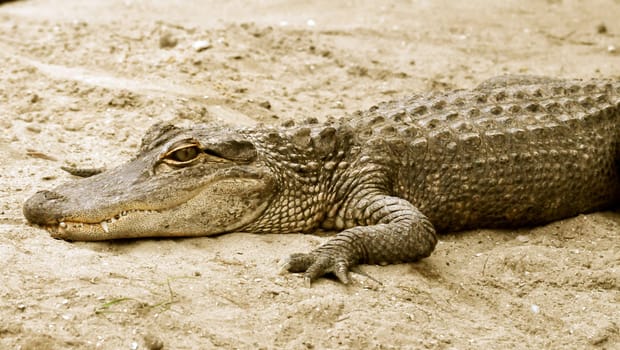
(80, 82)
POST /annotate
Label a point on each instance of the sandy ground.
(80, 83)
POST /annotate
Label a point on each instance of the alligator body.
(516, 151)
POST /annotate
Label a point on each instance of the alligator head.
(184, 182)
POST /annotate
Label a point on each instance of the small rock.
(73, 125)
(535, 308)
(612, 49)
(265, 104)
(27, 117)
(40, 155)
(201, 45)
(167, 41)
(601, 28)
(152, 342)
(523, 238)
(33, 128)
(606, 330)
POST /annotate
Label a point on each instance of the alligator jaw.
(218, 207)
(85, 231)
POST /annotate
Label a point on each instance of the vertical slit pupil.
(185, 154)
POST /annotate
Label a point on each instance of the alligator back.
(511, 153)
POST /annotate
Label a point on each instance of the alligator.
(513, 152)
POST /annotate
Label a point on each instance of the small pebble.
(265, 104)
(33, 128)
(535, 309)
(601, 28)
(167, 41)
(152, 342)
(73, 125)
(612, 49)
(201, 45)
(522, 238)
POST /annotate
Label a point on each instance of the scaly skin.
(516, 151)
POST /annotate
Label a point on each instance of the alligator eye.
(184, 154)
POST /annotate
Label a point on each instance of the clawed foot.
(314, 268)
(315, 265)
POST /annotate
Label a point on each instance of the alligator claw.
(316, 265)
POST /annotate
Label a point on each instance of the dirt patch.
(80, 83)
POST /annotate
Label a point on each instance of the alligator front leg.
(396, 232)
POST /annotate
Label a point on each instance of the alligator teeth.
(104, 226)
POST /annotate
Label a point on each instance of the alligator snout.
(42, 207)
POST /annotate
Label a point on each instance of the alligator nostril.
(49, 195)
(38, 209)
